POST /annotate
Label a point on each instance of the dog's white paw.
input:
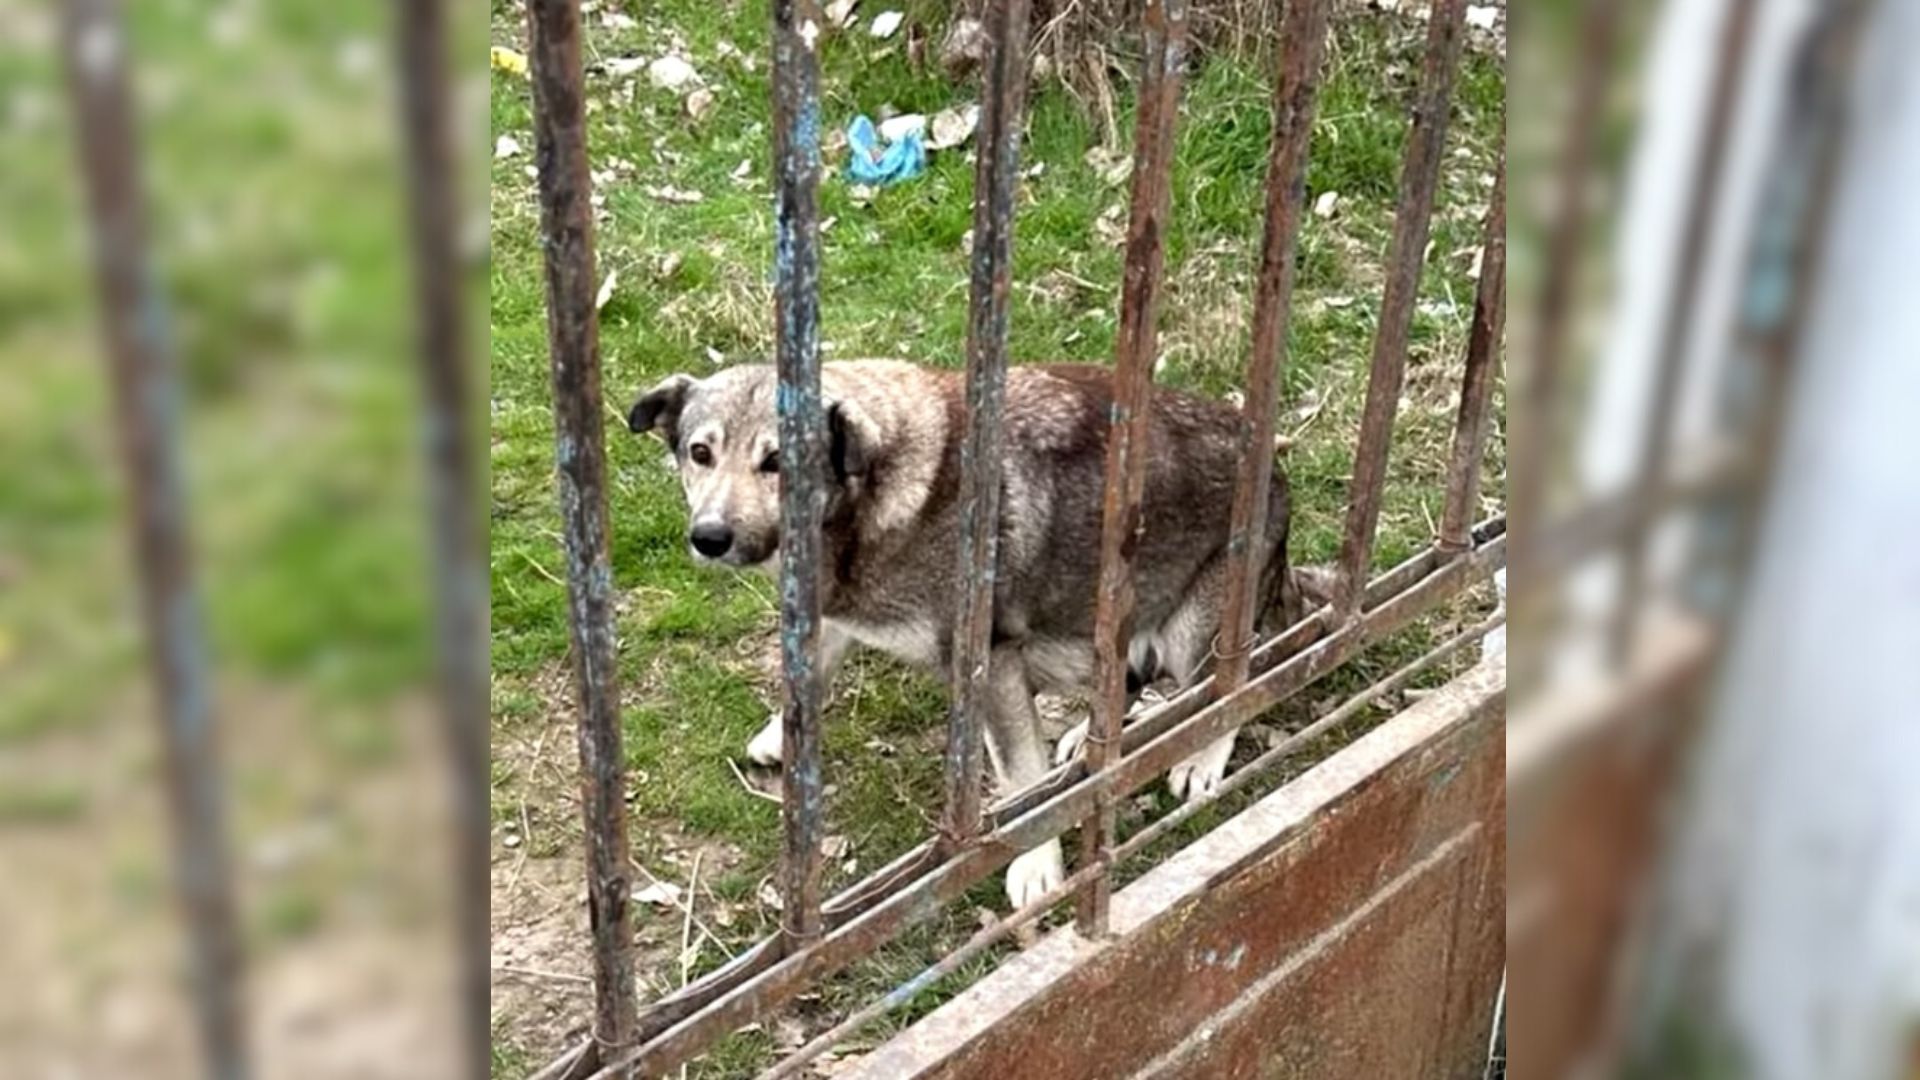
(1200, 775)
(1070, 743)
(766, 747)
(1035, 874)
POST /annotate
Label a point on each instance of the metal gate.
(1422, 796)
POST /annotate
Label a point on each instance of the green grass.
(693, 286)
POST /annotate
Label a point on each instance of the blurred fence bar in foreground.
(146, 392)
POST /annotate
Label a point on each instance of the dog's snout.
(711, 539)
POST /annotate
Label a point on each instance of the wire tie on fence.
(1215, 652)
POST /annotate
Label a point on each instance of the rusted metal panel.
(146, 394)
(566, 222)
(996, 182)
(1419, 177)
(1164, 25)
(455, 518)
(1347, 925)
(1483, 362)
(1303, 32)
(803, 451)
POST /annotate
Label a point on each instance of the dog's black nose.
(711, 540)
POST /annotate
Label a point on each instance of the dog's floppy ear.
(845, 441)
(659, 408)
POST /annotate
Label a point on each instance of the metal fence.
(146, 391)
(819, 936)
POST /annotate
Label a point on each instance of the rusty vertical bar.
(803, 450)
(1303, 31)
(460, 576)
(573, 337)
(1683, 309)
(1165, 38)
(996, 180)
(1483, 361)
(1539, 383)
(1419, 177)
(146, 394)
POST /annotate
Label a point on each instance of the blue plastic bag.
(869, 163)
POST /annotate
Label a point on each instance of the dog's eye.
(701, 454)
(770, 463)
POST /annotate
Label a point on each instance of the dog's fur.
(891, 534)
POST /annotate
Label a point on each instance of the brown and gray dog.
(892, 527)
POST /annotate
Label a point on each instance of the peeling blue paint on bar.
(803, 454)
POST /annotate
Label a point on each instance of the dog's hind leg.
(767, 748)
(1018, 754)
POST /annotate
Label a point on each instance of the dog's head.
(724, 434)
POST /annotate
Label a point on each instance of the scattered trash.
(964, 48)
(622, 66)
(671, 73)
(951, 127)
(1482, 18)
(742, 171)
(869, 163)
(606, 290)
(895, 128)
(885, 23)
(699, 103)
(1324, 206)
(508, 60)
(840, 12)
(1113, 166)
(659, 894)
(667, 193)
(505, 147)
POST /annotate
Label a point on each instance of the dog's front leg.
(768, 748)
(1018, 754)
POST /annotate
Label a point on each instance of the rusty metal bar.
(1347, 710)
(146, 393)
(1566, 244)
(996, 181)
(803, 452)
(1682, 310)
(927, 895)
(1483, 361)
(1164, 44)
(1419, 177)
(573, 337)
(1303, 32)
(460, 572)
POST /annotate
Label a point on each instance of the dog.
(891, 534)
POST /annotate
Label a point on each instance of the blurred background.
(269, 149)
(1713, 823)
